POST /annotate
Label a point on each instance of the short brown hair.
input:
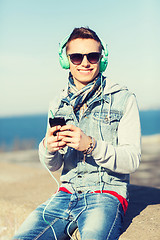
(84, 33)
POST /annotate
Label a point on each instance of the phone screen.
(57, 121)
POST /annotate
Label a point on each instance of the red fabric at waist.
(122, 200)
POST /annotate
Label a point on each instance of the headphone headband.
(65, 62)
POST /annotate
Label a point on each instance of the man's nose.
(85, 62)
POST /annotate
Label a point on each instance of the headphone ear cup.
(103, 64)
(64, 61)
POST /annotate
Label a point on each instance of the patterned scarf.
(79, 98)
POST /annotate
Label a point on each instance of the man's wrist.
(91, 146)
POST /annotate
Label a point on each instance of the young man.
(97, 148)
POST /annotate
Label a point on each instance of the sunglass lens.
(93, 57)
(76, 58)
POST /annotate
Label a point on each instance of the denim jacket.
(113, 120)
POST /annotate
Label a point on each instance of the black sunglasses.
(77, 58)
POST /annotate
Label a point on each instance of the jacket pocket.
(106, 117)
(106, 126)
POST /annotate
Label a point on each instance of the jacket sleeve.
(125, 157)
(53, 161)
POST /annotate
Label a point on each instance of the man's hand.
(54, 143)
(74, 137)
(69, 135)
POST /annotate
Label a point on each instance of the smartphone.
(57, 121)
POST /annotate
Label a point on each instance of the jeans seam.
(114, 221)
(45, 229)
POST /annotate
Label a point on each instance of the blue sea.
(25, 132)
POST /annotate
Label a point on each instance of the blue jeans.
(98, 216)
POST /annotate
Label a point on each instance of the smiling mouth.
(85, 70)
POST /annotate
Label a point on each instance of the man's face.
(85, 72)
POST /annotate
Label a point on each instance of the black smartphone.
(57, 121)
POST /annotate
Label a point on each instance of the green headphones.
(64, 62)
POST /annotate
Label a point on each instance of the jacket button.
(79, 192)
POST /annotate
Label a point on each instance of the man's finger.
(69, 127)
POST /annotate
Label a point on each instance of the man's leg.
(49, 221)
(102, 219)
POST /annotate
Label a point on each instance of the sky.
(30, 33)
